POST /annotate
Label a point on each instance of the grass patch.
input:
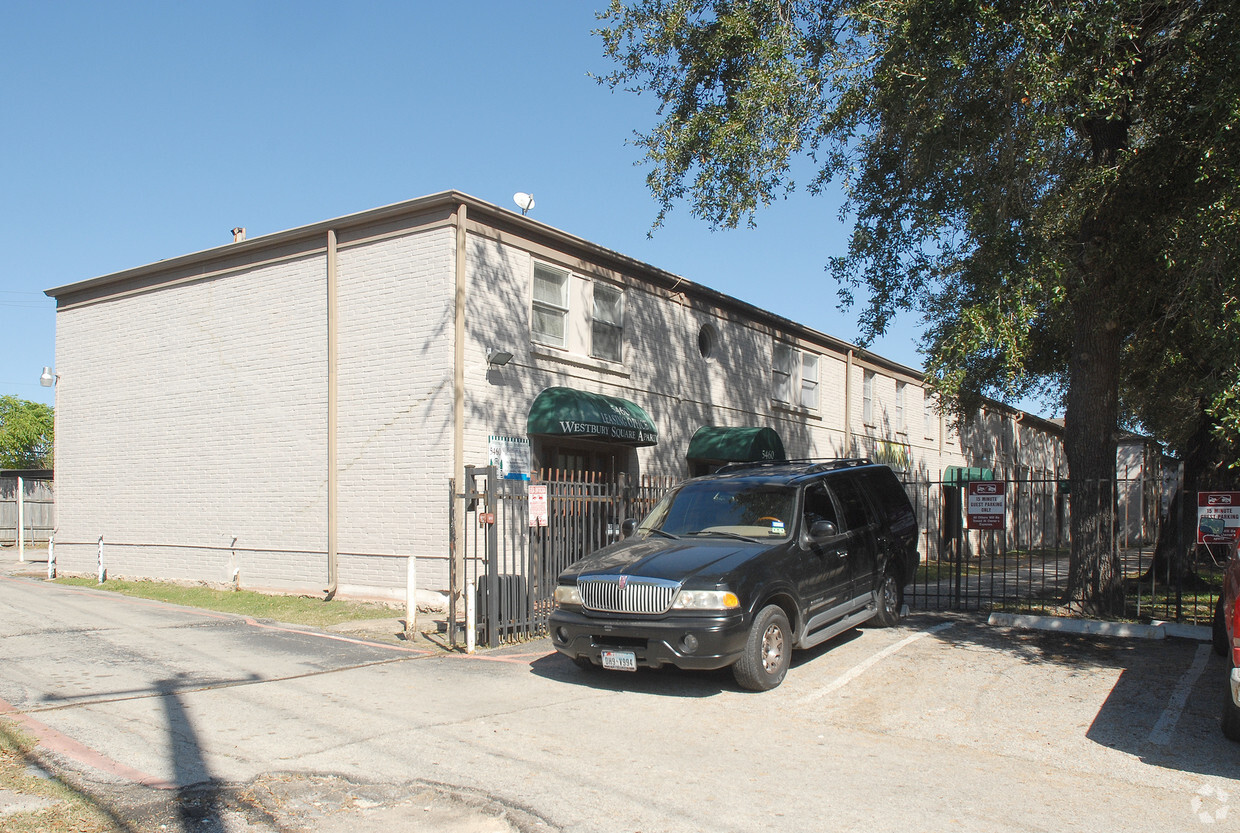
(296, 610)
(53, 804)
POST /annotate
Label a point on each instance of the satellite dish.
(524, 201)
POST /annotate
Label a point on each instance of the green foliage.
(25, 434)
(1050, 186)
(1012, 168)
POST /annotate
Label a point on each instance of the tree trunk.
(1095, 579)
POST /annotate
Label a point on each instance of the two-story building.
(286, 412)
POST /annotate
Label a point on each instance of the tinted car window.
(819, 506)
(857, 512)
(710, 504)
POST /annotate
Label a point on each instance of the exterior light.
(498, 358)
(48, 378)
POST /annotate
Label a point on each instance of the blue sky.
(134, 132)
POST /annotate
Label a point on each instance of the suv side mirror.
(628, 527)
(823, 529)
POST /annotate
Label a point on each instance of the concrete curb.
(1154, 630)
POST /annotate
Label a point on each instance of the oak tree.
(1050, 186)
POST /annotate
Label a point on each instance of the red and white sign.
(538, 504)
(1218, 517)
(986, 507)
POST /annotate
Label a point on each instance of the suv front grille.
(627, 594)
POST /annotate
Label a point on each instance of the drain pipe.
(458, 382)
(848, 371)
(332, 405)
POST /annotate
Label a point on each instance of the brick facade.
(192, 403)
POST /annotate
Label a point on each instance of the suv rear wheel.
(768, 651)
(890, 601)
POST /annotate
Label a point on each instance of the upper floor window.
(809, 380)
(795, 376)
(548, 323)
(867, 397)
(781, 367)
(607, 323)
(901, 407)
(931, 416)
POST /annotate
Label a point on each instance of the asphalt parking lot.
(945, 723)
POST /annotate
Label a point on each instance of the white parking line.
(861, 667)
(1161, 734)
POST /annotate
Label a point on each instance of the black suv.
(740, 567)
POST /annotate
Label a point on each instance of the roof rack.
(813, 464)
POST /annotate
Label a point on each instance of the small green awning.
(564, 412)
(735, 445)
(956, 475)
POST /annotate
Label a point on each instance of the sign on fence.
(1218, 517)
(987, 505)
(538, 504)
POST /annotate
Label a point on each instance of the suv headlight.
(706, 600)
(567, 595)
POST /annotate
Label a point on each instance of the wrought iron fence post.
(492, 555)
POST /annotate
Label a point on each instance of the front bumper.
(655, 642)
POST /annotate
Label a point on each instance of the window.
(901, 407)
(707, 339)
(795, 371)
(809, 381)
(931, 416)
(550, 305)
(607, 327)
(867, 397)
(783, 355)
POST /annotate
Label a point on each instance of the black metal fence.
(1024, 563)
(510, 551)
(510, 556)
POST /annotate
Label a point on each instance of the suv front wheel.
(768, 651)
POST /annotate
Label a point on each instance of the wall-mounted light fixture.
(48, 378)
(497, 357)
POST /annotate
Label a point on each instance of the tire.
(768, 651)
(890, 601)
(1231, 716)
(1219, 633)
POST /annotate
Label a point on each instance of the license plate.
(620, 660)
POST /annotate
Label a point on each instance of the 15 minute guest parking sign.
(1218, 517)
(986, 507)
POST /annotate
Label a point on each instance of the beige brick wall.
(191, 416)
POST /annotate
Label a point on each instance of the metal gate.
(1024, 566)
(512, 565)
(1021, 567)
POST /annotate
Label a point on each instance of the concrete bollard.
(103, 572)
(51, 556)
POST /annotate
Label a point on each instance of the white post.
(103, 573)
(471, 625)
(411, 597)
(21, 531)
(51, 556)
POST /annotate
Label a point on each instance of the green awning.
(735, 445)
(956, 475)
(564, 412)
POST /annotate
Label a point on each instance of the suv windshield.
(724, 508)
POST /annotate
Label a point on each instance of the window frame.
(867, 396)
(597, 322)
(548, 307)
(782, 380)
(810, 386)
